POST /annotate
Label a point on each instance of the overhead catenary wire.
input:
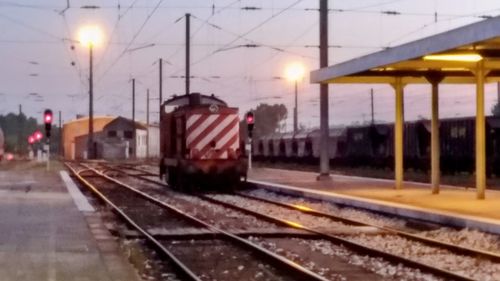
(115, 27)
(249, 31)
(138, 32)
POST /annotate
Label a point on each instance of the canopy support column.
(398, 133)
(435, 79)
(480, 132)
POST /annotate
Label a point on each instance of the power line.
(198, 29)
(120, 16)
(249, 31)
(133, 39)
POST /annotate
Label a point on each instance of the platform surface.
(43, 236)
(457, 200)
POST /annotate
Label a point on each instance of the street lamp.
(295, 72)
(90, 36)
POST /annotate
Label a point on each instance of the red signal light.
(250, 118)
(47, 116)
(47, 119)
(250, 121)
(38, 135)
(31, 139)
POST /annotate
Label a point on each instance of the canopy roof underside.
(407, 60)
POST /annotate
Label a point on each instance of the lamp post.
(90, 36)
(294, 72)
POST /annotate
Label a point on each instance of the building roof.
(407, 61)
(86, 118)
(138, 125)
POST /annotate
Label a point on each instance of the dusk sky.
(36, 53)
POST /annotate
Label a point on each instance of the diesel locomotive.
(200, 143)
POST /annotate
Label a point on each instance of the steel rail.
(336, 239)
(349, 244)
(429, 241)
(182, 269)
(284, 263)
(128, 167)
(448, 246)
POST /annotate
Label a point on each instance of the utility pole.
(160, 90)
(91, 105)
(373, 111)
(498, 92)
(20, 129)
(295, 112)
(324, 167)
(133, 119)
(147, 124)
(90, 141)
(133, 99)
(188, 43)
(60, 135)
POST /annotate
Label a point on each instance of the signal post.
(250, 122)
(47, 119)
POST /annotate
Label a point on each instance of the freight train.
(2, 143)
(373, 146)
(200, 143)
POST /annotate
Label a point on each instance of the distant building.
(76, 129)
(119, 138)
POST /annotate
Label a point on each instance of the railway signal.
(31, 140)
(38, 135)
(250, 122)
(47, 119)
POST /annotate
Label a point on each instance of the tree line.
(18, 127)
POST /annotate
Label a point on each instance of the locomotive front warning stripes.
(212, 135)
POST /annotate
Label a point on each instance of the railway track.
(354, 244)
(221, 256)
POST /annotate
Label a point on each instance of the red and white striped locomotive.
(200, 143)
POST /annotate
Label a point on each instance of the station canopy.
(453, 56)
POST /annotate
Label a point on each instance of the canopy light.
(455, 57)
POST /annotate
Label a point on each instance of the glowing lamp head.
(10, 156)
(90, 35)
(31, 139)
(250, 118)
(38, 135)
(47, 116)
(294, 72)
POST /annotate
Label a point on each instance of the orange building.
(77, 128)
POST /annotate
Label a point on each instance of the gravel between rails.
(285, 214)
(226, 218)
(466, 237)
(216, 215)
(376, 265)
(218, 260)
(209, 257)
(434, 256)
(470, 238)
(463, 265)
(351, 213)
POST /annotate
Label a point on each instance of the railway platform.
(48, 231)
(454, 206)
